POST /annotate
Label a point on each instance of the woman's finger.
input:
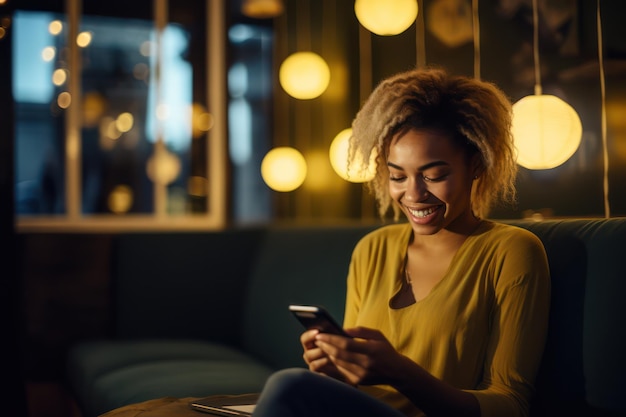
(307, 339)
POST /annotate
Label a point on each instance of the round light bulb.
(304, 75)
(386, 17)
(546, 130)
(283, 169)
(354, 171)
(163, 167)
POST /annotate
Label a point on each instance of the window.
(123, 128)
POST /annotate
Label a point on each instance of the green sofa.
(198, 314)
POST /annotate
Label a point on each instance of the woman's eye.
(395, 179)
(434, 178)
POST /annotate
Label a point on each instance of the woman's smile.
(423, 214)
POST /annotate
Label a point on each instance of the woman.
(448, 311)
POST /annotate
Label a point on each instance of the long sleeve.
(482, 328)
(519, 328)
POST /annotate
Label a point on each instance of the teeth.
(421, 213)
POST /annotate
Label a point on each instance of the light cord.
(420, 37)
(605, 152)
(538, 91)
(476, 33)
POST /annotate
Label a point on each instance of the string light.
(605, 152)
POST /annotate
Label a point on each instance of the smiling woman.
(447, 313)
(452, 106)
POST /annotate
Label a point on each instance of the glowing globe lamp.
(304, 75)
(283, 169)
(386, 17)
(546, 130)
(356, 170)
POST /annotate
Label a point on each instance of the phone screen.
(316, 317)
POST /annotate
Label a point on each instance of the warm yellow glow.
(322, 178)
(451, 22)
(48, 53)
(103, 128)
(83, 39)
(197, 186)
(283, 169)
(120, 199)
(55, 27)
(93, 108)
(108, 129)
(201, 120)
(262, 9)
(304, 75)
(386, 17)
(204, 122)
(163, 167)
(3, 32)
(124, 122)
(357, 170)
(616, 125)
(59, 76)
(64, 100)
(546, 130)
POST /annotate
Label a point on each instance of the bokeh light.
(283, 169)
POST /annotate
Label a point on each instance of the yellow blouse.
(482, 328)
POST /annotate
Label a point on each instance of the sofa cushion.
(107, 375)
(177, 378)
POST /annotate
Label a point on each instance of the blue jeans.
(301, 393)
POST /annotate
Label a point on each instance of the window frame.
(215, 216)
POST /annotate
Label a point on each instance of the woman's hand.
(315, 357)
(367, 359)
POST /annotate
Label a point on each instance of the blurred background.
(170, 108)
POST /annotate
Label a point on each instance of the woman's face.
(430, 178)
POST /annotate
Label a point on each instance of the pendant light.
(386, 17)
(546, 130)
(304, 75)
(358, 169)
(283, 169)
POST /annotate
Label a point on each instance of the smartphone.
(316, 317)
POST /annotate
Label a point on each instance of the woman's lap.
(299, 392)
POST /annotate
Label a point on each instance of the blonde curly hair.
(475, 113)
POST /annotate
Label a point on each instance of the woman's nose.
(416, 191)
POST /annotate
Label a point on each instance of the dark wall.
(12, 387)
